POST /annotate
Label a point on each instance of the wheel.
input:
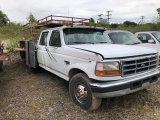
(1, 65)
(81, 93)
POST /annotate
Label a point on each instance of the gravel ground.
(29, 95)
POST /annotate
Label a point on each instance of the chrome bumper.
(124, 86)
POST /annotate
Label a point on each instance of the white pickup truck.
(94, 68)
(146, 39)
(152, 37)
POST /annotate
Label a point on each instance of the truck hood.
(149, 45)
(115, 50)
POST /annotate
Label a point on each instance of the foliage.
(10, 30)
(137, 28)
(114, 25)
(158, 10)
(3, 18)
(13, 43)
(92, 22)
(12, 33)
(99, 24)
(129, 23)
(31, 18)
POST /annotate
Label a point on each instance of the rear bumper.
(124, 86)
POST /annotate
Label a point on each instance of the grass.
(134, 29)
(11, 33)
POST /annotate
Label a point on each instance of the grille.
(138, 64)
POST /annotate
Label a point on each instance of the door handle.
(67, 62)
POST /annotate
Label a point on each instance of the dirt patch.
(29, 95)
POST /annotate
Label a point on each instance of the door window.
(43, 38)
(55, 39)
(144, 37)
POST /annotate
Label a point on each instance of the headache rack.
(51, 22)
(57, 21)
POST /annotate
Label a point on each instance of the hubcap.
(81, 93)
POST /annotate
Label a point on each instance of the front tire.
(81, 93)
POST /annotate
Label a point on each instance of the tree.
(3, 18)
(158, 10)
(92, 22)
(31, 18)
(113, 25)
(129, 23)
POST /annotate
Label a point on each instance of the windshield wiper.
(137, 43)
(83, 42)
(134, 43)
(101, 42)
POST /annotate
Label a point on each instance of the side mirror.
(151, 41)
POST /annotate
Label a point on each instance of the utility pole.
(100, 18)
(142, 19)
(108, 15)
(158, 10)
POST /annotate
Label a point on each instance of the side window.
(43, 38)
(55, 39)
(144, 37)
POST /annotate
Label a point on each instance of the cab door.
(55, 50)
(41, 48)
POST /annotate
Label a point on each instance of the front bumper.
(124, 86)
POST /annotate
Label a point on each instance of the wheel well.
(74, 71)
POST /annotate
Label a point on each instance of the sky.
(122, 10)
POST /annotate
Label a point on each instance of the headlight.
(107, 69)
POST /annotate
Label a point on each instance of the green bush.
(141, 27)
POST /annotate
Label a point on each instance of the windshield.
(156, 35)
(124, 38)
(74, 36)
